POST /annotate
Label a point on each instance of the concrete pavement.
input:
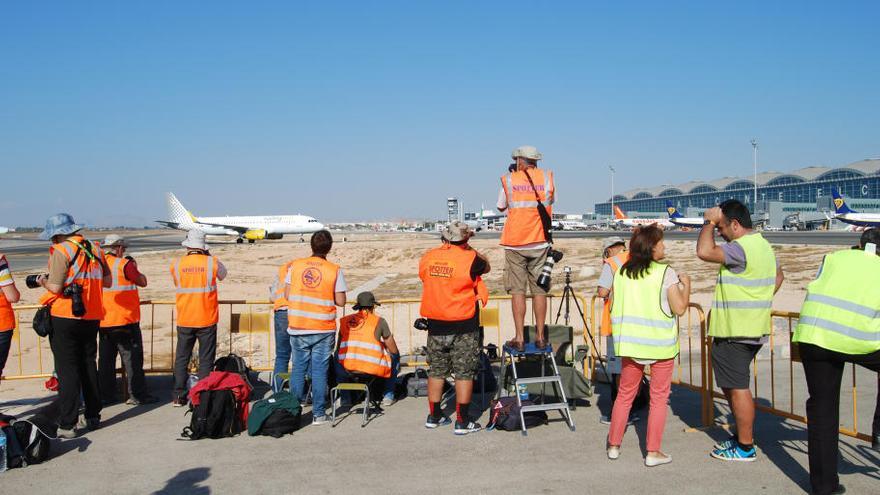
(139, 450)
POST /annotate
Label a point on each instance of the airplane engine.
(255, 235)
(274, 236)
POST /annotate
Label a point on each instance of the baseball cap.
(612, 241)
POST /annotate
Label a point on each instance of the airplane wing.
(171, 225)
(237, 228)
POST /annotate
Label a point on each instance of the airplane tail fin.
(672, 210)
(840, 206)
(178, 214)
(618, 213)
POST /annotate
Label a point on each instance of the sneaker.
(433, 422)
(463, 428)
(388, 400)
(613, 452)
(735, 453)
(319, 420)
(605, 419)
(178, 402)
(67, 433)
(137, 401)
(90, 424)
(657, 459)
(725, 444)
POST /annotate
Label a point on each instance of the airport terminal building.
(804, 190)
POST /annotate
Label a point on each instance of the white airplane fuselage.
(273, 224)
(859, 219)
(642, 222)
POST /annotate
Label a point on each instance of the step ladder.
(546, 354)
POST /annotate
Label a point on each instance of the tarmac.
(139, 450)
(26, 253)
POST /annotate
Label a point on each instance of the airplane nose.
(320, 226)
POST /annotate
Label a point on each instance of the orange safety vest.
(122, 304)
(195, 277)
(278, 296)
(359, 350)
(447, 287)
(615, 262)
(85, 271)
(523, 225)
(311, 301)
(7, 315)
(482, 292)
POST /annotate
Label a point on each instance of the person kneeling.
(367, 347)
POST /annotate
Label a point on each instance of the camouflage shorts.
(454, 355)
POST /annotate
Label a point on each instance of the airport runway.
(27, 254)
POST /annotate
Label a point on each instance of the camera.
(31, 281)
(74, 292)
(566, 269)
(421, 324)
(553, 257)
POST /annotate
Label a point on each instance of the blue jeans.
(5, 344)
(312, 352)
(342, 376)
(282, 348)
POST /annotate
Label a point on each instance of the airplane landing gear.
(250, 241)
(239, 240)
(302, 239)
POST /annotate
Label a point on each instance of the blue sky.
(380, 110)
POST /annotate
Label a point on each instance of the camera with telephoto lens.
(74, 292)
(31, 281)
(421, 324)
(553, 257)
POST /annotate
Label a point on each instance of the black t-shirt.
(472, 324)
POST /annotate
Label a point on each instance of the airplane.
(621, 219)
(252, 228)
(843, 213)
(682, 221)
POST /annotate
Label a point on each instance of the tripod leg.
(577, 305)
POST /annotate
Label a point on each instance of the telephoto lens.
(31, 281)
(553, 257)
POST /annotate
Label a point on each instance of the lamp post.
(755, 165)
(612, 189)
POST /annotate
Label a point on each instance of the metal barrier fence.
(247, 329)
(774, 365)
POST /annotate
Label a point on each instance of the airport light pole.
(612, 189)
(755, 165)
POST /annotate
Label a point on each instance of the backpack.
(26, 444)
(485, 375)
(217, 415)
(276, 416)
(233, 363)
(416, 383)
(505, 415)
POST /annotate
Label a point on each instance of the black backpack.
(276, 416)
(281, 422)
(504, 415)
(216, 416)
(26, 444)
(233, 363)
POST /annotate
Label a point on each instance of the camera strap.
(546, 221)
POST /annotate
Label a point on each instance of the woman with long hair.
(647, 297)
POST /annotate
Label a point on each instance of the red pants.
(630, 378)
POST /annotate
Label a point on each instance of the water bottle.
(523, 392)
(2, 451)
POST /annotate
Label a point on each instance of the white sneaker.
(320, 420)
(613, 452)
(388, 401)
(657, 459)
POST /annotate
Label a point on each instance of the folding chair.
(358, 382)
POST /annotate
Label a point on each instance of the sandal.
(517, 346)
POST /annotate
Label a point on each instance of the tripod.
(565, 302)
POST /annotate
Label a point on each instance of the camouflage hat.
(457, 231)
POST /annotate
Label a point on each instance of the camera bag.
(546, 221)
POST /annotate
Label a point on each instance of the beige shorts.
(521, 270)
